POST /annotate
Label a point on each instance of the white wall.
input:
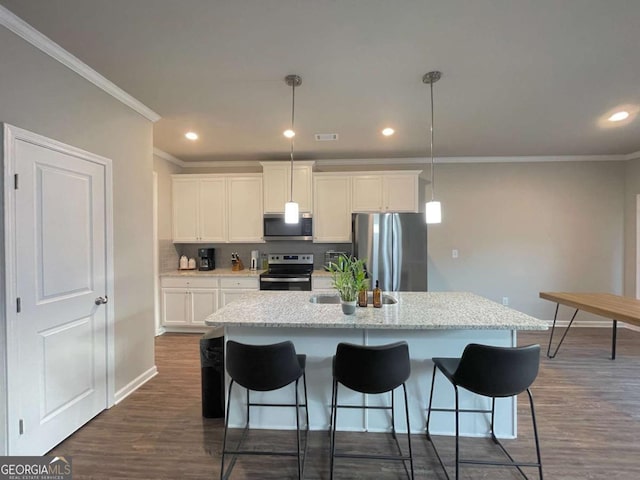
(41, 95)
(168, 257)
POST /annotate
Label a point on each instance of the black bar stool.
(265, 368)
(493, 372)
(370, 370)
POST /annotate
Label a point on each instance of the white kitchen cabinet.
(277, 187)
(217, 208)
(245, 208)
(332, 208)
(187, 301)
(385, 192)
(233, 287)
(322, 284)
(199, 209)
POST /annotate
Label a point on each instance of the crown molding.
(168, 157)
(633, 156)
(223, 164)
(443, 160)
(55, 51)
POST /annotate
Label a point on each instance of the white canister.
(192, 263)
(184, 262)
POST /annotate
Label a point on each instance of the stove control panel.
(291, 259)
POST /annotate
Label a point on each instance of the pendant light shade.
(291, 213)
(291, 210)
(433, 210)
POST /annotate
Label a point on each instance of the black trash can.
(212, 373)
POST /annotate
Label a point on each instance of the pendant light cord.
(293, 109)
(433, 180)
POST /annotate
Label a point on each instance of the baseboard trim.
(135, 384)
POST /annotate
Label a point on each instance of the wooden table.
(615, 307)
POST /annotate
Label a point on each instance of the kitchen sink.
(335, 299)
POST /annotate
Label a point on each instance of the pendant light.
(433, 211)
(291, 210)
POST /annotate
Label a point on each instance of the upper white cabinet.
(385, 192)
(245, 208)
(217, 208)
(198, 209)
(332, 207)
(277, 185)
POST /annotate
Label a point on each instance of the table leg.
(613, 339)
(555, 317)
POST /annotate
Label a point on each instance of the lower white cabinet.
(233, 287)
(187, 301)
(322, 284)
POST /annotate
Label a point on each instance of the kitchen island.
(434, 324)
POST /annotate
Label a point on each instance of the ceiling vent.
(326, 137)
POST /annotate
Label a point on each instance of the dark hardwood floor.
(588, 410)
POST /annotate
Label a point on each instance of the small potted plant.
(349, 278)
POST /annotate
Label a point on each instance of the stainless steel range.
(288, 272)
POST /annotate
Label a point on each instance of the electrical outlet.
(505, 301)
(454, 253)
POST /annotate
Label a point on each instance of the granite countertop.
(218, 272)
(414, 311)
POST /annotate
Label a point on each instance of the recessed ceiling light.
(289, 133)
(191, 135)
(618, 116)
(388, 132)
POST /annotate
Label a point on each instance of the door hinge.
(18, 304)
(15, 182)
(21, 426)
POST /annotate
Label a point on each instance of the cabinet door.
(302, 187)
(227, 296)
(203, 303)
(275, 179)
(175, 306)
(332, 209)
(245, 209)
(401, 193)
(185, 210)
(367, 193)
(213, 210)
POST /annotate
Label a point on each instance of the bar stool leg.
(334, 415)
(406, 411)
(393, 418)
(433, 381)
(298, 432)
(535, 432)
(226, 429)
(457, 433)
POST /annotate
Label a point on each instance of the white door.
(57, 343)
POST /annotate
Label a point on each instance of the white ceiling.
(520, 77)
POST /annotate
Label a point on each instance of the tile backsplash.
(169, 262)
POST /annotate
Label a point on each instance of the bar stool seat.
(494, 372)
(371, 370)
(265, 368)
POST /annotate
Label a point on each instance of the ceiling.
(519, 77)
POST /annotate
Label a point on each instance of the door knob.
(102, 300)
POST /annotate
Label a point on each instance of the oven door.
(283, 281)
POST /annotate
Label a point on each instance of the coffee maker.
(207, 258)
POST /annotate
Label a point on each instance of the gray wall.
(529, 227)
(39, 94)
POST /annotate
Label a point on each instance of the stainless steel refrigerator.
(395, 248)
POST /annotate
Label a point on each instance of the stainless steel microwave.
(276, 229)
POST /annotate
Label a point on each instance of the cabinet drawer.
(187, 282)
(240, 282)
(321, 283)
